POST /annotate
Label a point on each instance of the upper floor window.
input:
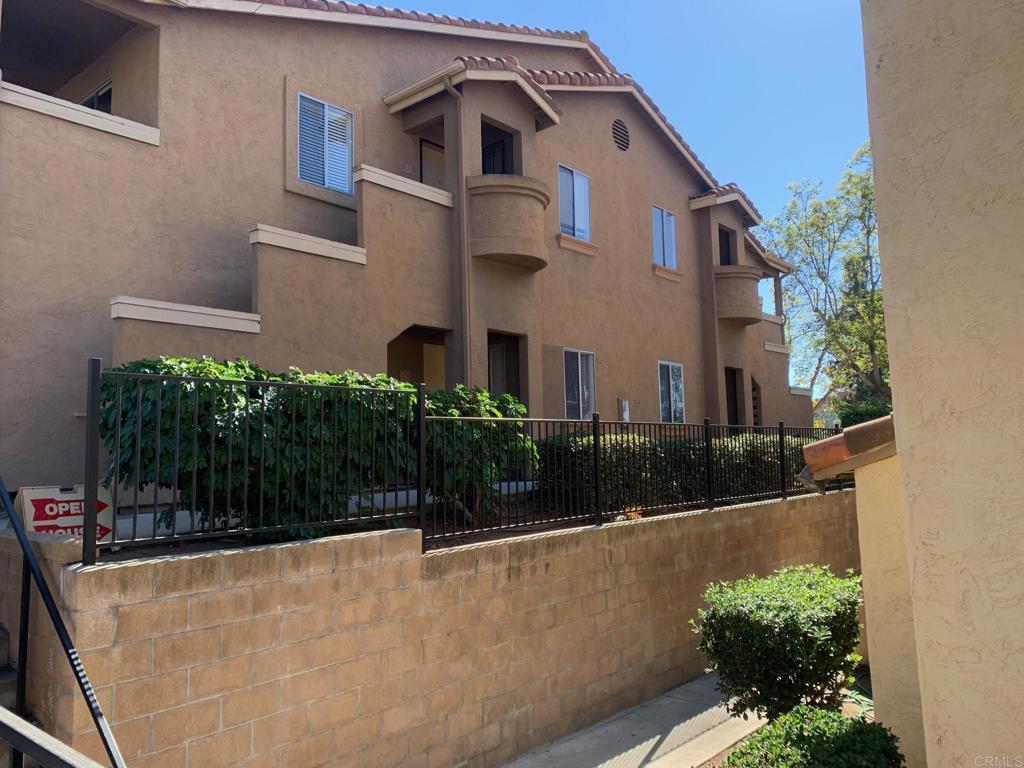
(574, 203)
(101, 99)
(579, 384)
(670, 390)
(325, 144)
(726, 248)
(663, 234)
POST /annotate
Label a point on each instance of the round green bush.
(808, 737)
(782, 641)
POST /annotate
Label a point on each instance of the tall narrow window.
(726, 256)
(670, 390)
(579, 384)
(663, 235)
(574, 203)
(325, 144)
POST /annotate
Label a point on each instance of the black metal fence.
(193, 458)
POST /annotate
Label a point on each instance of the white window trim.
(675, 255)
(351, 142)
(579, 369)
(590, 213)
(297, 241)
(34, 101)
(682, 372)
(134, 308)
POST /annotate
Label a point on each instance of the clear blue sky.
(765, 91)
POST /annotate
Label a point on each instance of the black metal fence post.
(598, 501)
(21, 685)
(421, 459)
(92, 461)
(783, 479)
(709, 479)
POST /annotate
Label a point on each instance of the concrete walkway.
(683, 728)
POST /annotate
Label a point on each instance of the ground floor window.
(670, 387)
(579, 384)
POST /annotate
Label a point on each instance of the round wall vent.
(620, 133)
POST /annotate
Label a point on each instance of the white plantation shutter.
(325, 144)
(581, 205)
(670, 240)
(658, 234)
(339, 149)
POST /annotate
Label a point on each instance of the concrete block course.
(361, 651)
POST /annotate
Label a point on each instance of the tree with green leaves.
(833, 300)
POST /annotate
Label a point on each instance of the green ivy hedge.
(326, 437)
(782, 641)
(808, 737)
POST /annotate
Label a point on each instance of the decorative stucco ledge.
(398, 183)
(133, 308)
(771, 346)
(802, 391)
(34, 101)
(296, 241)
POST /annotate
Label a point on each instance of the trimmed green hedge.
(807, 737)
(781, 641)
(638, 471)
(320, 447)
(631, 467)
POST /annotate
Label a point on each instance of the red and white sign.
(50, 509)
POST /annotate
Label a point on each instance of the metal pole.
(92, 460)
(596, 431)
(421, 459)
(20, 702)
(70, 652)
(709, 480)
(783, 479)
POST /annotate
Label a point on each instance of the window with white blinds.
(325, 144)
(574, 203)
(579, 384)
(663, 235)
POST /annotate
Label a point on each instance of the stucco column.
(706, 244)
(945, 79)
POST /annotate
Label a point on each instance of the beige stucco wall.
(360, 651)
(946, 103)
(888, 609)
(93, 215)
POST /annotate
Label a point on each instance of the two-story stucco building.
(331, 186)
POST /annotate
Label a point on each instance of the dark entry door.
(503, 364)
(732, 396)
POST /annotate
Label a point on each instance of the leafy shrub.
(781, 641)
(297, 454)
(467, 459)
(808, 737)
(631, 472)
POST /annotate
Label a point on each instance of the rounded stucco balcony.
(506, 219)
(737, 296)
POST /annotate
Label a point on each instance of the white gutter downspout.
(461, 210)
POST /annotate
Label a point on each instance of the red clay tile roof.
(340, 6)
(509, 64)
